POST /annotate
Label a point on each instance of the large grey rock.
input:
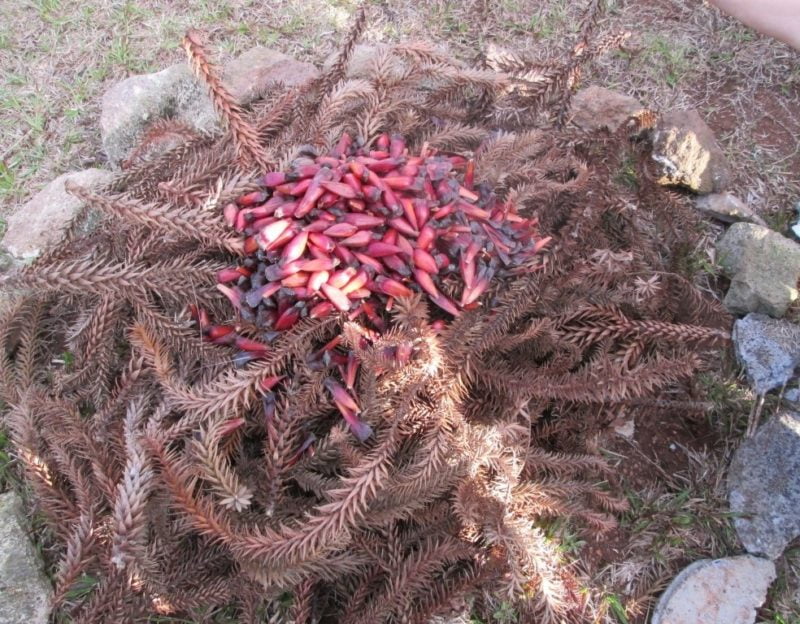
(131, 105)
(596, 107)
(689, 154)
(727, 208)
(40, 222)
(764, 486)
(763, 266)
(24, 589)
(768, 348)
(716, 591)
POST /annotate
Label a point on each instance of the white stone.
(718, 591)
(624, 427)
(24, 589)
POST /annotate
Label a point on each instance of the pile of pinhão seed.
(357, 227)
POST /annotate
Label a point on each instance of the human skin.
(776, 18)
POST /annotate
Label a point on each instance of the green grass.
(564, 535)
(616, 608)
(7, 180)
(505, 614)
(447, 19)
(543, 22)
(5, 461)
(46, 8)
(82, 587)
(780, 220)
(626, 176)
(121, 54)
(668, 58)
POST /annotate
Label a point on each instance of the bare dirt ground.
(58, 56)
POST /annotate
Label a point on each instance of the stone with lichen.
(40, 222)
(764, 486)
(763, 267)
(174, 93)
(24, 589)
(688, 153)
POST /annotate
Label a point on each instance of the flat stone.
(689, 154)
(24, 589)
(716, 591)
(596, 107)
(727, 208)
(764, 486)
(763, 267)
(131, 105)
(768, 348)
(40, 222)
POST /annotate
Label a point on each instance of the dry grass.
(57, 58)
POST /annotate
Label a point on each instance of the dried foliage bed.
(128, 449)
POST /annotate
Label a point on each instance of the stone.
(457, 618)
(624, 427)
(131, 105)
(795, 227)
(716, 591)
(768, 348)
(361, 61)
(764, 267)
(40, 222)
(24, 589)
(596, 107)
(764, 486)
(792, 395)
(247, 76)
(689, 154)
(364, 54)
(727, 208)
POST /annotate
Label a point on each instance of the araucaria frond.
(245, 136)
